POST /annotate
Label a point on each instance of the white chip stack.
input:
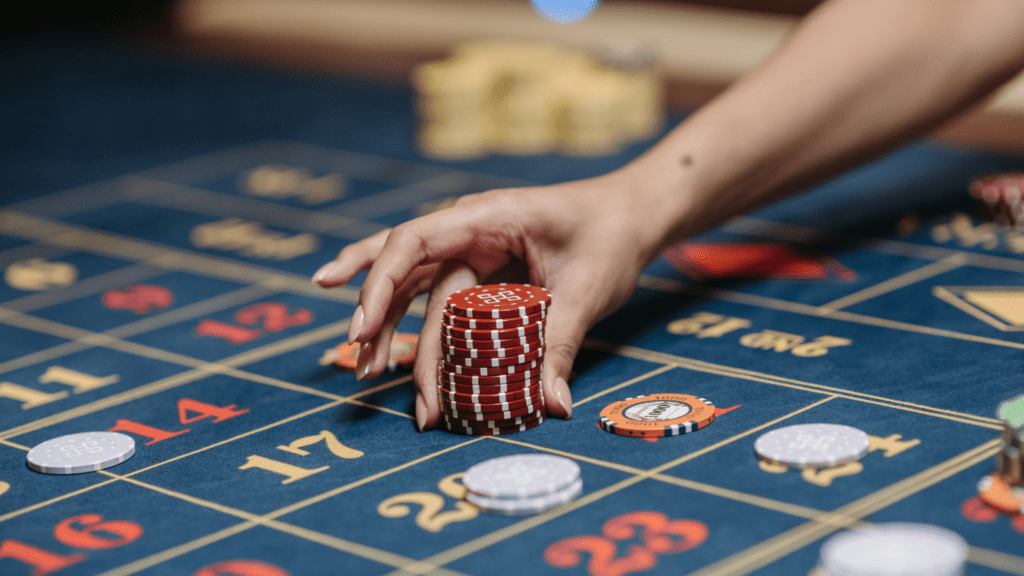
(523, 484)
(895, 549)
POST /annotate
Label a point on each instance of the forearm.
(857, 78)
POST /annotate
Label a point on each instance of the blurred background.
(696, 47)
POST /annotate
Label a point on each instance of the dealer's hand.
(585, 241)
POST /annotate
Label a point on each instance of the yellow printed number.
(432, 516)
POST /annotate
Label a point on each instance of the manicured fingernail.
(357, 324)
(561, 389)
(319, 275)
(324, 271)
(366, 360)
(421, 412)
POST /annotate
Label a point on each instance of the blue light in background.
(564, 11)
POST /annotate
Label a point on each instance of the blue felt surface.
(116, 155)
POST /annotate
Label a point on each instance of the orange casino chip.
(403, 352)
(997, 493)
(657, 415)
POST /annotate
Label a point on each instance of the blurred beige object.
(450, 141)
(538, 98)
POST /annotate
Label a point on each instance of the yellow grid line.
(902, 281)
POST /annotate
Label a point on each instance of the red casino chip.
(490, 344)
(657, 415)
(498, 423)
(487, 431)
(499, 301)
(474, 415)
(490, 390)
(495, 362)
(503, 334)
(527, 402)
(528, 392)
(494, 380)
(491, 323)
(403, 352)
(489, 371)
(457, 352)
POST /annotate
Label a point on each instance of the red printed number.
(241, 568)
(189, 411)
(275, 319)
(659, 534)
(139, 298)
(67, 533)
(86, 531)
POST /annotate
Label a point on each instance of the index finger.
(474, 235)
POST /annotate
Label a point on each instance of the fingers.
(352, 260)
(375, 353)
(438, 237)
(452, 277)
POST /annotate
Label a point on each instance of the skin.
(855, 80)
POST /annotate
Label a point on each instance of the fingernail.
(357, 324)
(319, 275)
(326, 271)
(366, 361)
(561, 388)
(421, 412)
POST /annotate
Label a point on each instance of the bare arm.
(857, 78)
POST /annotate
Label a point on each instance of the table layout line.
(776, 547)
(665, 285)
(369, 552)
(702, 366)
(902, 281)
(292, 418)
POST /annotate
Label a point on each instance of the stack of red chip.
(492, 339)
(1001, 198)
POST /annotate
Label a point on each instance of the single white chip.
(813, 445)
(521, 476)
(895, 549)
(81, 452)
(526, 506)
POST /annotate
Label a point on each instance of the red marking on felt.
(976, 510)
(655, 439)
(720, 411)
(744, 260)
(139, 298)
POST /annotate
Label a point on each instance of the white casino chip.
(527, 506)
(521, 476)
(81, 452)
(895, 549)
(813, 445)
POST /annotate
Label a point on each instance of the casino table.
(161, 217)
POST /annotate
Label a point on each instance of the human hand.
(586, 241)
